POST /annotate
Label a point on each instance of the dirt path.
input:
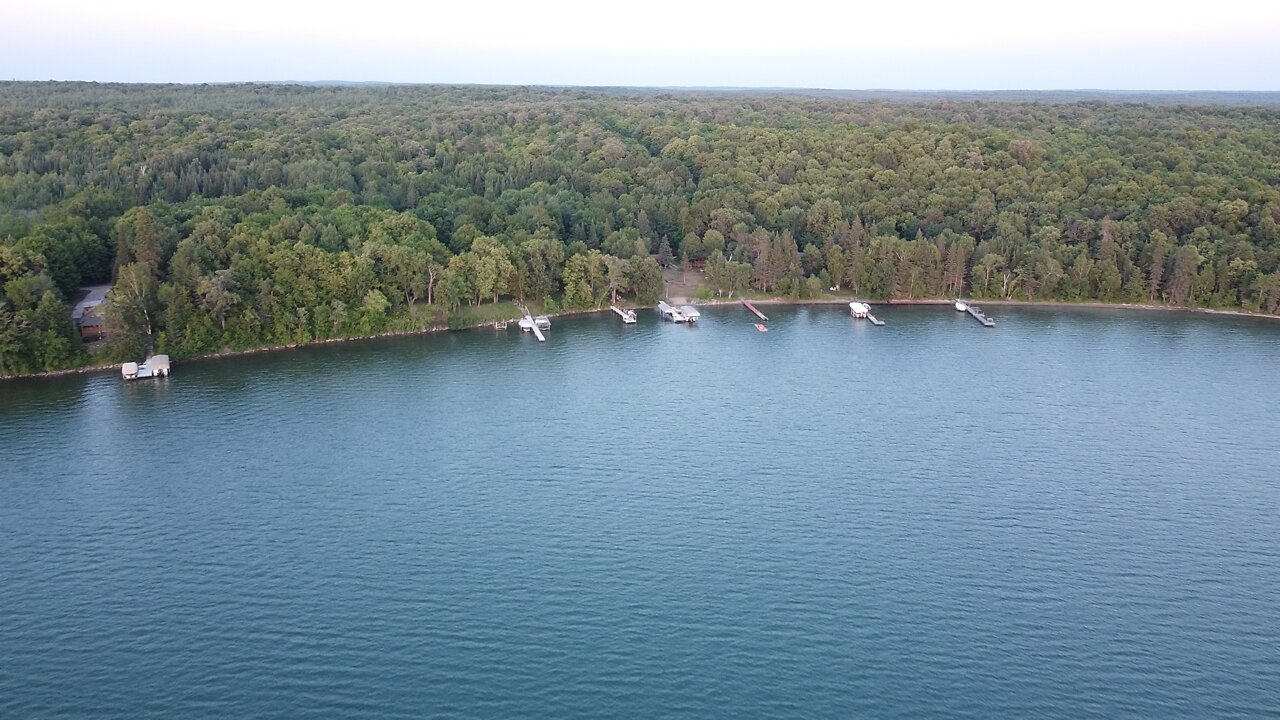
(681, 285)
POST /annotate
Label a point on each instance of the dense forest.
(238, 216)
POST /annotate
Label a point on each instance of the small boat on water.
(535, 325)
(960, 306)
(761, 327)
(152, 367)
(862, 311)
(527, 323)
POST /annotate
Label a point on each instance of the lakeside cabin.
(90, 326)
(85, 312)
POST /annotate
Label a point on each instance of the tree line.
(240, 216)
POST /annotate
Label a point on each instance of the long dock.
(628, 316)
(531, 324)
(754, 309)
(978, 315)
(874, 320)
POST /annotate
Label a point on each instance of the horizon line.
(679, 88)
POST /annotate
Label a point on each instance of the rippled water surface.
(1075, 515)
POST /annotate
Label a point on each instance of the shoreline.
(292, 346)
(1090, 304)
(778, 301)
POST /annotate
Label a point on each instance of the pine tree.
(666, 258)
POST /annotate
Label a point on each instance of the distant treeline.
(243, 215)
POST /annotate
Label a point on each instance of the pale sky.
(904, 44)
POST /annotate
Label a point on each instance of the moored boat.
(154, 366)
(672, 313)
(628, 316)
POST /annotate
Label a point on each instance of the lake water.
(1074, 515)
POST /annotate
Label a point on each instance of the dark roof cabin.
(90, 326)
(85, 312)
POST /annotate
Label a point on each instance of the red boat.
(761, 327)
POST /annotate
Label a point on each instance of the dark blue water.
(1075, 515)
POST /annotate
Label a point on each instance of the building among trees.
(85, 313)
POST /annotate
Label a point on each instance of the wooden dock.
(874, 320)
(628, 316)
(978, 315)
(747, 303)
